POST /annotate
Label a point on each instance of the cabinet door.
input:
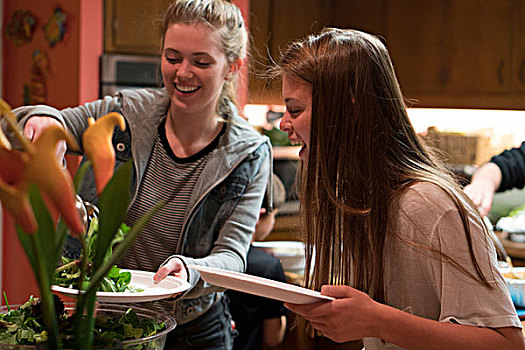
(133, 26)
(273, 24)
(364, 15)
(261, 89)
(414, 37)
(519, 46)
(478, 46)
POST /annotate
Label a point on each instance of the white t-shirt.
(423, 283)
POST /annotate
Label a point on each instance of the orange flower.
(4, 142)
(52, 178)
(13, 188)
(99, 148)
(37, 164)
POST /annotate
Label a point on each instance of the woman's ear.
(234, 67)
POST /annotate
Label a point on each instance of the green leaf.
(45, 236)
(113, 205)
(60, 237)
(124, 278)
(130, 237)
(114, 272)
(80, 175)
(132, 332)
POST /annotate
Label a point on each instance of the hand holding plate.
(174, 267)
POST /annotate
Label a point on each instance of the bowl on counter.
(515, 280)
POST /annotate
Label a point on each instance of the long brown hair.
(363, 154)
(222, 16)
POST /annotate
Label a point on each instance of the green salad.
(24, 326)
(116, 280)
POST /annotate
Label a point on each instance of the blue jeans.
(212, 331)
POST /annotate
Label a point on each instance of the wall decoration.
(55, 28)
(21, 27)
(35, 92)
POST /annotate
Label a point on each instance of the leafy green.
(68, 275)
(43, 250)
(277, 137)
(24, 325)
(516, 211)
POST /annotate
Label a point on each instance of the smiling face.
(194, 67)
(297, 96)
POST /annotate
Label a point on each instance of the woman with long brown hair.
(391, 235)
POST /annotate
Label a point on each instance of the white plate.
(166, 288)
(259, 286)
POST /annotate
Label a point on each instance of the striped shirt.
(172, 179)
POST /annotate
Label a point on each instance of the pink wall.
(242, 92)
(73, 62)
(91, 34)
(73, 79)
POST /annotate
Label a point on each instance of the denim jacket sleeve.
(230, 249)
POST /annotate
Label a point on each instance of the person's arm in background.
(504, 172)
(485, 182)
(273, 330)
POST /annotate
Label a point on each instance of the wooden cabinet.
(272, 23)
(478, 46)
(518, 8)
(451, 53)
(414, 32)
(133, 26)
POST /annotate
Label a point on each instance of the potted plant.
(41, 196)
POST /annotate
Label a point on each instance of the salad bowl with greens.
(119, 326)
(41, 196)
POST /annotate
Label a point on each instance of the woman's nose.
(184, 71)
(285, 123)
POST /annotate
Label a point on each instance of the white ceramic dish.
(516, 285)
(167, 288)
(259, 286)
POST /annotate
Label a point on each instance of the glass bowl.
(153, 342)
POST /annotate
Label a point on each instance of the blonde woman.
(187, 142)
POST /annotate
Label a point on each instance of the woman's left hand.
(349, 317)
(174, 267)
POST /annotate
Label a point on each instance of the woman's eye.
(294, 112)
(173, 60)
(202, 64)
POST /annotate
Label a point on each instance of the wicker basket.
(459, 148)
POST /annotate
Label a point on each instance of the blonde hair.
(226, 19)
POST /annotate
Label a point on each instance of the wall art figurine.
(35, 91)
(21, 27)
(55, 28)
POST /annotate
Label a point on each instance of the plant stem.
(46, 298)
(67, 266)
(84, 319)
(6, 302)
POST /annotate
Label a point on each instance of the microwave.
(119, 72)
